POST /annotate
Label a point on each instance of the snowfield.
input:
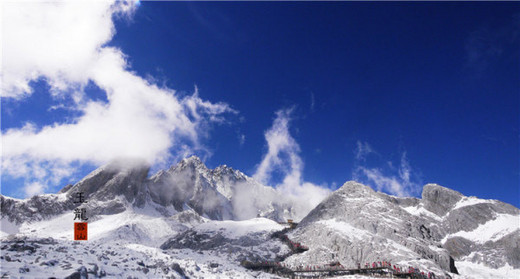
(474, 270)
(467, 201)
(110, 253)
(421, 211)
(236, 229)
(492, 230)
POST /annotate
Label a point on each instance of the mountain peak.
(119, 177)
(436, 187)
(354, 188)
(193, 159)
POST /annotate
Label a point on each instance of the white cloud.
(59, 40)
(279, 143)
(283, 156)
(65, 43)
(401, 184)
(34, 188)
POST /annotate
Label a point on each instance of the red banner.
(80, 231)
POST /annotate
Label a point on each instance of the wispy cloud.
(283, 157)
(66, 44)
(279, 143)
(400, 182)
(362, 150)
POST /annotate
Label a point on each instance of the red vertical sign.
(80, 231)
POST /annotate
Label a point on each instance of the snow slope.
(492, 230)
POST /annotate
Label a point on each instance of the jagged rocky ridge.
(354, 224)
(219, 194)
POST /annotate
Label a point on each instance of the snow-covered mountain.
(219, 194)
(191, 221)
(444, 231)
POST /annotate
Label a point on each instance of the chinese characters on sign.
(79, 198)
(80, 231)
(80, 214)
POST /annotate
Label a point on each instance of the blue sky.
(300, 95)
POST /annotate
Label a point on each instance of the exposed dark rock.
(81, 273)
(177, 268)
(50, 263)
(459, 247)
(438, 199)
(453, 269)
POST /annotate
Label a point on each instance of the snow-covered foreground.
(114, 260)
(127, 244)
